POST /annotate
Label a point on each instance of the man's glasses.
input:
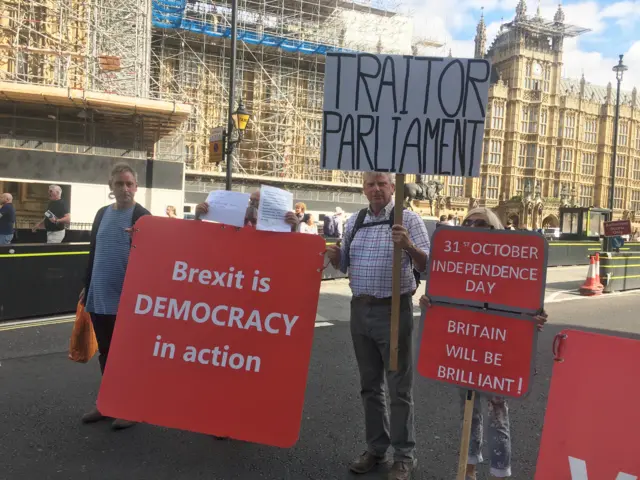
(477, 223)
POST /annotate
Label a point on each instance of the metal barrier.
(571, 253)
(45, 279)
(41, 279)
(564, 253)
(620, 271)
(25, 235)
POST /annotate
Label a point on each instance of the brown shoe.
(366, 462)
(401, 470)
(119, 424)
(93, 416)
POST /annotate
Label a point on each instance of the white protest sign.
(227, 207)
(274, 205)
(404, 114)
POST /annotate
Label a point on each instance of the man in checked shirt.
(368, 256)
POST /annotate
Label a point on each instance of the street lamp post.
(238, 120)
(620, 68)
(232, 90)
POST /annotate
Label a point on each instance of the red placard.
(234, 360)
(487, 352)
(617, 228)
(506, 270)
(592, 420)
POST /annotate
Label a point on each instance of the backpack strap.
(362, 214)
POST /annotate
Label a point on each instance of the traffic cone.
(598, 282)
(590, 288)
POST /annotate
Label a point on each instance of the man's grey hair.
(7, 197)
(56, 188)
(368, 175)
(123, 168)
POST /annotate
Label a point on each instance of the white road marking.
(571, 267)
(552, 296)
(323, 324)
(604, 295)
(36, 320)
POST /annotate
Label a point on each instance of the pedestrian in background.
(56, 217)
(499, 426)
(367, 253)
(300, 209)
(7, 218)
(171, 211)
(108, 258)
(309, 226)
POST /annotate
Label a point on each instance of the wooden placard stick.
(466, 435)
(396, 277)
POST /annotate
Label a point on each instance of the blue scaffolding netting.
(171, 14)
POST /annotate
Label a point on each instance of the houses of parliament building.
(548, 140)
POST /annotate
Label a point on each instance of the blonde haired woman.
(171, 211)
(499, 427)
(482, 217)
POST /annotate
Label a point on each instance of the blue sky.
(614, 25)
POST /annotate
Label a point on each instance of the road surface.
(43, 395)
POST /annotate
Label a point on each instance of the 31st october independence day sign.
(404, 114)
(491, 349)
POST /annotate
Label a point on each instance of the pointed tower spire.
(521, 10)
(481, 37)
(559, 16)
(450, 54)
(379, 45)
(538, 12)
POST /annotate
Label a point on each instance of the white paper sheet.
(274, 205)
(227, 207)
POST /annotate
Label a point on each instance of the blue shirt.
(110, 262)
(7, 219)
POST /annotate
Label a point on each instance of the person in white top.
(309, 226)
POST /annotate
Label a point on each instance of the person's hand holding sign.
(333, 252)
(541, 319)
(202, 209)
(291, 219)
(425, 301)
(400, 237)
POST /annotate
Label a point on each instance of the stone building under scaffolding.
(86, 83)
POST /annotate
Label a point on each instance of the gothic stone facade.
(548, 140)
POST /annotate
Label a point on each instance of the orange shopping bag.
(83, 344)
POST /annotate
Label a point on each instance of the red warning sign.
(617, 228)
(209, 336)
(487, 352)
(592, 419)
(501, 268)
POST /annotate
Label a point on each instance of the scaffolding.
(178, 51)
(280, 74)
(93, 45)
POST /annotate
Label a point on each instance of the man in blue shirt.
(7, 218)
